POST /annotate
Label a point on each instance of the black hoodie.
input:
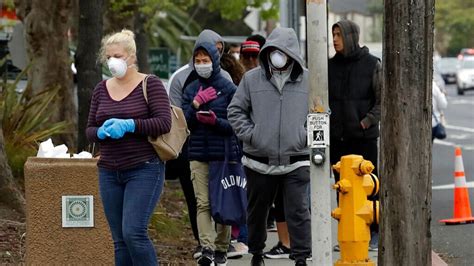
(354, 88)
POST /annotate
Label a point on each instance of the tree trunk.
(406, 133)
(10, 195)
(141, 39)
(46, 28)
(117, 20)
(89, 71)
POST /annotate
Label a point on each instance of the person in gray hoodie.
(179, 168)
(268, 114)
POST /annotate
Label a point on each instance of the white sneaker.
(237, 249)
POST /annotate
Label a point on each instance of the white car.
(465, 75)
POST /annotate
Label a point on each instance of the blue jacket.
(207, 142)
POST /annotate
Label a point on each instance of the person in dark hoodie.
(268, 113)
(179, 168)
(205, 102)
(354, 99)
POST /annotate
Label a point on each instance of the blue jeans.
(243, 234)
(129, 198)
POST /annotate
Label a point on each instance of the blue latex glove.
(101, 133)
(118, 127)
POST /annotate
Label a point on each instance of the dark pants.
(261, 191)
(129, 198)
(279, 209)
(367, 148)
(179, 168)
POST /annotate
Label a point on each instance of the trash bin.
(59, 193)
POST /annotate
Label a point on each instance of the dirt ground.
(169, 230)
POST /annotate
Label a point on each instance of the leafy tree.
(232, 9)
(164, 21)
(454, 25)
(46, 33)
(376, 8)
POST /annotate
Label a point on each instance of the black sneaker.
(278, 252)
(271, 227)
(220, 258)
(308, 258)
(300, 262)
(197, 252)
(257, 260)
(206, 258)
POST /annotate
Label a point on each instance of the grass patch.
(170, 228)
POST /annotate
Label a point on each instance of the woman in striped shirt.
(131, 175)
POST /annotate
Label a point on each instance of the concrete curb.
(436, 260)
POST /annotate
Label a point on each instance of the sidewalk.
(272, 239)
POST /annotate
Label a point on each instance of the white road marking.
(466, 129)
(461, 101)
(452, 144)
(451, 186)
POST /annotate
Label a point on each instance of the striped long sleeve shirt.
(152, 119)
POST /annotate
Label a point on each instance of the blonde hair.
(125, 38)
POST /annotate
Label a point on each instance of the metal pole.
(284, 22)
(318, 131)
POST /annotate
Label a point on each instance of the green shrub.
(25, 121)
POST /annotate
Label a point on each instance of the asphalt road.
(455, 243)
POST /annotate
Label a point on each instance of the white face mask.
(204, 70)
(278, 59)
(236, 56)
(117, 66)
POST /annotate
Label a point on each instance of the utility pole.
(318, 131)
(406, 133)
(284, 19)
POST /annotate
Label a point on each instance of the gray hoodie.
(271, 123)
(175, 85)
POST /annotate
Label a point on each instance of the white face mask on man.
(204, 70)
(278, 59)
(236, 55)
(117, 66)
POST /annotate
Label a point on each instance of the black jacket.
(354, 90)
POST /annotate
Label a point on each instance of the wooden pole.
(406, 133)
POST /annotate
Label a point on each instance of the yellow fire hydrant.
(355, 213)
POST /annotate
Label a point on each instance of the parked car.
(447, 67)
(465, 75)
(465, 52)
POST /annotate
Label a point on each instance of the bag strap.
(436, 119)
(144, 82)
(144, 87)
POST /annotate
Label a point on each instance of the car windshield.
(467, 64)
